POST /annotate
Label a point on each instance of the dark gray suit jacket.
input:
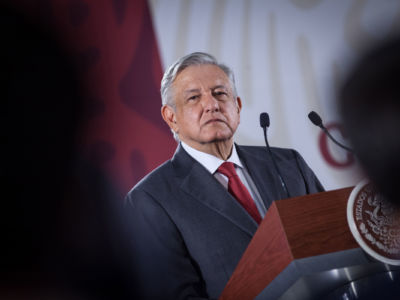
(190, 233)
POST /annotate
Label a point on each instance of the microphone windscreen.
(315, 118)
(264, 120)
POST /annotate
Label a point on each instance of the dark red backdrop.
(114, 45)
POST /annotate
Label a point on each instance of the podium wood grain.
(293, 228)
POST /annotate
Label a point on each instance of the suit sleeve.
(162, 262)
(313, 185)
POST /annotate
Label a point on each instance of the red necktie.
(239, 191)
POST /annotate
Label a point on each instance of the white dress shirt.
(212, 163)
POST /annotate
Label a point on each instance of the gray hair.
(196, 58)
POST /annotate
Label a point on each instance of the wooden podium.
(293, 228)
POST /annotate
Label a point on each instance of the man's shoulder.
(283, 153)
(156, 178)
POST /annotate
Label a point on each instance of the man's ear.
(169, 116)
(239, 104)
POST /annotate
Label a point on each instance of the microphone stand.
(264, 123)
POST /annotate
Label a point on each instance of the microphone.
(264, 120)
(317, 121)
(264, 123)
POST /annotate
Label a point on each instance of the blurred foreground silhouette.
(63, 235)
(369, 103)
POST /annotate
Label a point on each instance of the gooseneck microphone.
(317, 121)
(264, 123)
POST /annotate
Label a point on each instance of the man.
(191, 231)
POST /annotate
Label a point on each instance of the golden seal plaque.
(374, 223)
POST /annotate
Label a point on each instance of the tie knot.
(228, 169)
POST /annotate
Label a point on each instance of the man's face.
(206, 110)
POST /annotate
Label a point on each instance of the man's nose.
(210, 103)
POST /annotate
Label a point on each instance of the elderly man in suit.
(195, 214)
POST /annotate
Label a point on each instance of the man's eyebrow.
(187, 92)
(219, 87)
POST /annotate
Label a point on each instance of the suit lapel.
(197, 182)
(262, 172)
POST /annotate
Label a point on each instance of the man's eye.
(220, 93)
(194, 97)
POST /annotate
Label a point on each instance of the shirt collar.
(211, 162)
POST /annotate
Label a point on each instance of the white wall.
(288, 58)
